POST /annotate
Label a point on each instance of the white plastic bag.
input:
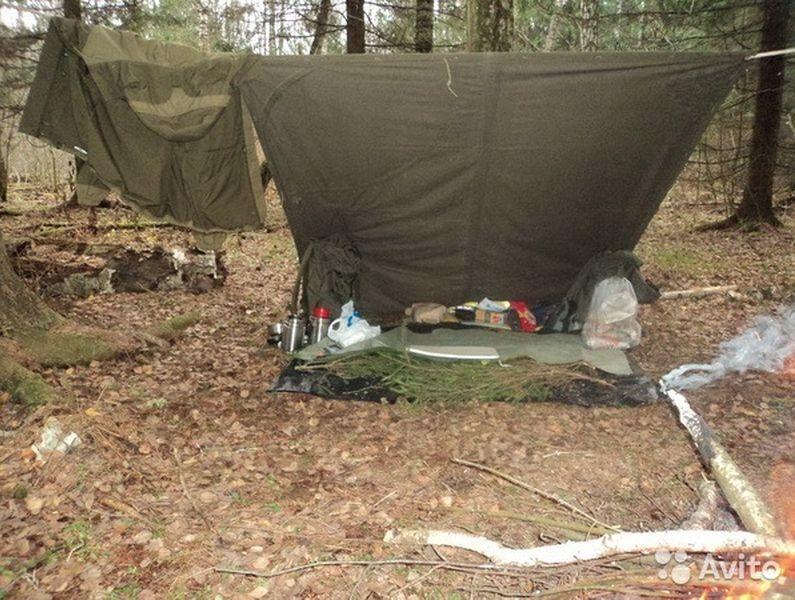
(611, 321)
(350, 328)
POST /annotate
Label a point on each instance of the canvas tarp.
(456, 176)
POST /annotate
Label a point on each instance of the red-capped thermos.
(321, 318)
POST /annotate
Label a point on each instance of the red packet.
(527, 322)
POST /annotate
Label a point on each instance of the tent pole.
(771, 53)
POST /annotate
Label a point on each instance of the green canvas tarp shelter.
(455, 176)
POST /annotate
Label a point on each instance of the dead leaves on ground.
(275, 480)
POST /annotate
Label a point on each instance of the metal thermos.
(321, 319)
(293, 336)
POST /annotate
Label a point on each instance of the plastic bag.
(53, 439)
(765, 346)
(350, 328)
(611, 320)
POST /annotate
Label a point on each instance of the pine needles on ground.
(444, 382)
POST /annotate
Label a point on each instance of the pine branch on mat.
(442, 382)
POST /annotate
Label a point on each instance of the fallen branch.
(698, 292)
(712, 511)
(79, 247)
(535, 490)
(739, 492)
(189, 496)
(695, 541)
(583, 531)
(111, 226)
(149, 339)
(126, 510)
(133, 271)
(162, 334)
(443, 564)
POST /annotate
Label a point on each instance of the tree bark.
(757, 202)
(3, 177)
(423, 31)
(489, 25)
(589, 30)
(739, 492)
(20, 308)
(133, 17)
(553, 30)
(354, 10)
(282, 35)
(321, 27)
(271, 6)
(571, 553)
(72, 9)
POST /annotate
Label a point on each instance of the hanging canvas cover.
(455, 176)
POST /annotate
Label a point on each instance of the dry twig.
(535, 490)
(447, 565)
(197, 509)
(576, 528)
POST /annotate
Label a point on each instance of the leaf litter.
(265, 482)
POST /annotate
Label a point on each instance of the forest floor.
(188, 463)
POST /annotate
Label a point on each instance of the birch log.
(698, 292)
(739, 492)
(712, 511)
(697, 541)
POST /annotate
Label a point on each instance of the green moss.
(679, 260)
(171, 328)
(129, 591)
(24, 385)
(63, 349)
(77, 534)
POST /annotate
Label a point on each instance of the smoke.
(765, 346)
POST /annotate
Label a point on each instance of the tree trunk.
(271, 7)
(355, 26)
(72, 9)
(20, 308)
(282, 35)
(30, 329)
(589, 31)
(553, 30)
(489, 25)
(321, 27)
(203, 29)
(757, 202)
(3, 177)
(423, 31)
(133, 17)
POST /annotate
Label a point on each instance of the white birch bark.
(645, 542)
